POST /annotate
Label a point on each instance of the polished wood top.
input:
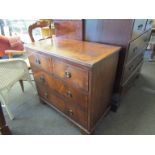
(86, 53)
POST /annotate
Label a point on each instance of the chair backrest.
(46, 28)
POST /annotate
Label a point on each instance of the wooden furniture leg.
(21, 84)
(4, 129)
(153, 52)
(10, 55)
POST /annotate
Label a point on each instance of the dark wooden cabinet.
(131, 35)
(75, 77)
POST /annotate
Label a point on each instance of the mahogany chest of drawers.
(132, 35)
(75, 77)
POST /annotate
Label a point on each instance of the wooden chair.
(46, 28)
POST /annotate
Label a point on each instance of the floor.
(136, 114)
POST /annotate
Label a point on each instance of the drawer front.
(149, 24)
(136, 47)
(57, 85)
(41, 60)
(127, 84)
(138, 28)
(49, 96)
(132, 66)
(77, 114)
(71, 110)
(72, 75)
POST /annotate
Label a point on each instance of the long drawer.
(129, 68)
(129, 82)
(47, 95)
(137, 46)
(72, 75)
(55, 84)
(70, 109)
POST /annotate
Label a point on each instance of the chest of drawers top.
(84, 53)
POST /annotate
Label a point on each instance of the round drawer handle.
(70, 112)
(38, 61)
(67, 74)
(146, 40)
(42, 79)
(135, 49)
(130, 67)
(46, 95)
(151, 21)
(69, 94)
(140, 27)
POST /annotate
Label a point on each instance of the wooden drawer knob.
(135, 49)
(140, 27)
(69, 94)
(145, 40)
(70, 112)
(38, 61)
(151, 21)
(67, 74)
(46, 95)
(130, 67)
(42, 79)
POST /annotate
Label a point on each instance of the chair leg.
(6, 106)
(21, 84)
(32, 85)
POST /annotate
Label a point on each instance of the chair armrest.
(14, 63)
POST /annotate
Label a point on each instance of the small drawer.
(78, 115)
(41, 60)
(129, 68)
(149, 24)
(51, 98)
(72, 75)
(135, 48)
(138, 28)
(62, 89)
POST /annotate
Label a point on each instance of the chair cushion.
(9, 76)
